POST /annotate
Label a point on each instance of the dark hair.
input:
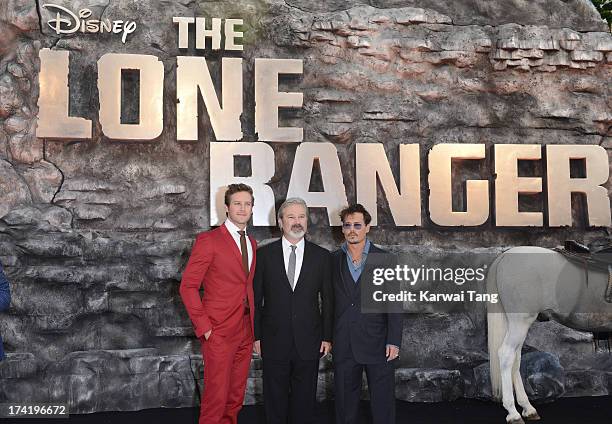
(236, 188)
(356, 208)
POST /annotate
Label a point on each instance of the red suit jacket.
(216, 262)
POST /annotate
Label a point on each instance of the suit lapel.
(373, 249)
(345, 283)
(353, 288)
(229, 240)
(305, 260)
(281, 262)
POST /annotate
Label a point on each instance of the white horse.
(530, 280)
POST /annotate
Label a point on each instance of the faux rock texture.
(94, 234)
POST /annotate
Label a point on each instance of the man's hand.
(392, 352)
(325, 348)
(257, 347)
(207, 334)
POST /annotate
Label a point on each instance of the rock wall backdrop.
(94, 234)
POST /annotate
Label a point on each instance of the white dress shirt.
(299, 257)
(233, 230)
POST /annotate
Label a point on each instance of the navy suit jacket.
(5, 301)
(362, 336)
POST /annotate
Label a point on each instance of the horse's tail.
(496, 325)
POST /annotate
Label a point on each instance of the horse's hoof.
(516, 421)
(532, 417)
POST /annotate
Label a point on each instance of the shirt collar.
(232, 228)
(286, 244)
(366, 248)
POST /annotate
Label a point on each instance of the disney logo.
(68, 22)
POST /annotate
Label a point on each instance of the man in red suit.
(223, 260)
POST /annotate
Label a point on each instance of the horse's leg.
(529, 412)
(518, 325)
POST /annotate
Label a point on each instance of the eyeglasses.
(349, 225)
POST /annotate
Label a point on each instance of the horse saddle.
(596, 256)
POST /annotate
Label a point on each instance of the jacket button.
(352, 304)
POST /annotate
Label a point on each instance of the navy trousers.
(348, 376)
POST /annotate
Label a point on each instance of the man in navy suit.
(362, 341)
(5, 301)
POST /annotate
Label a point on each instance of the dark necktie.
(245, 265)
(245, 253)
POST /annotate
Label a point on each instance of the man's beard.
(297, 231)
(349, 241)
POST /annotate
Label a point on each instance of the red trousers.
(226, 367)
